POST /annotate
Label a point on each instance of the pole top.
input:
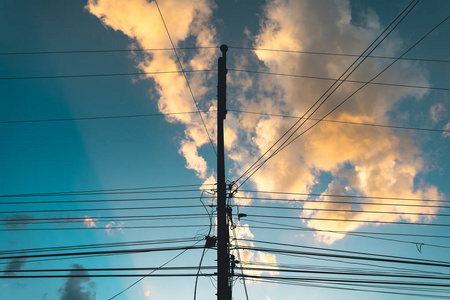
(223, 48)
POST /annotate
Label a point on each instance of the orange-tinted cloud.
(362, 160)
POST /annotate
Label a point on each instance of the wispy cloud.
(437, 112)
(89, 222)
(112, 227)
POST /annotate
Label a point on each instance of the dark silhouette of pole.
(223, 235)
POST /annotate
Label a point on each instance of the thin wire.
(95, 193)
(185, 77)
(78, 209)
(343, 202)
(356, 234)
(343, 122)
(336, 250)
(338, 54)
(102, 245)
(99, 118)
(109, 269)
(212, 47)
(98, 219)
(139, 280)
(100, 192)
(109, 228)
(351, 81)
(107, 252)
(105, 51)
(344, 196)
(108, 200)
(329, 286)
(100, 75)
(422, 262)
(100, 276)
(407, 283)
(349, 220)
(347, 210)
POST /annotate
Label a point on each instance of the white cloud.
(437, 112)
(446, 127)
(111, 227)
(89, 222)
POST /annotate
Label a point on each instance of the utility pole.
(223, 234)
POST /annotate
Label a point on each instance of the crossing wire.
(100, 75)
(338, 54)
(344, 122)
(287, 143)
(255, 167)
(185, 77)
(102, 191)
(347, 80)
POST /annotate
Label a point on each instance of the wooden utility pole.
(223, 235)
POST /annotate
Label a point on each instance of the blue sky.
(64, 144)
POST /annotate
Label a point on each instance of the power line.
(346, 80)
(104, 51)
(126, 251)
(97, 118)
(112, 200)
(345, 196)
(112, 228)
(214, 47)
(343, 202)
(299, 282)
(408, 283)
(343, 232)
(78, 209)
(98, 193)
(340, 287)
(346, 210)
(365, 274)
(356, 234)
(64, 220)
(110, 269)
(99, 276)
(339, 54)
(100, 75)
(101, 191)
(348, 220)
(432, 263)
(344, 122)
(342, 251)
(102, 245)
